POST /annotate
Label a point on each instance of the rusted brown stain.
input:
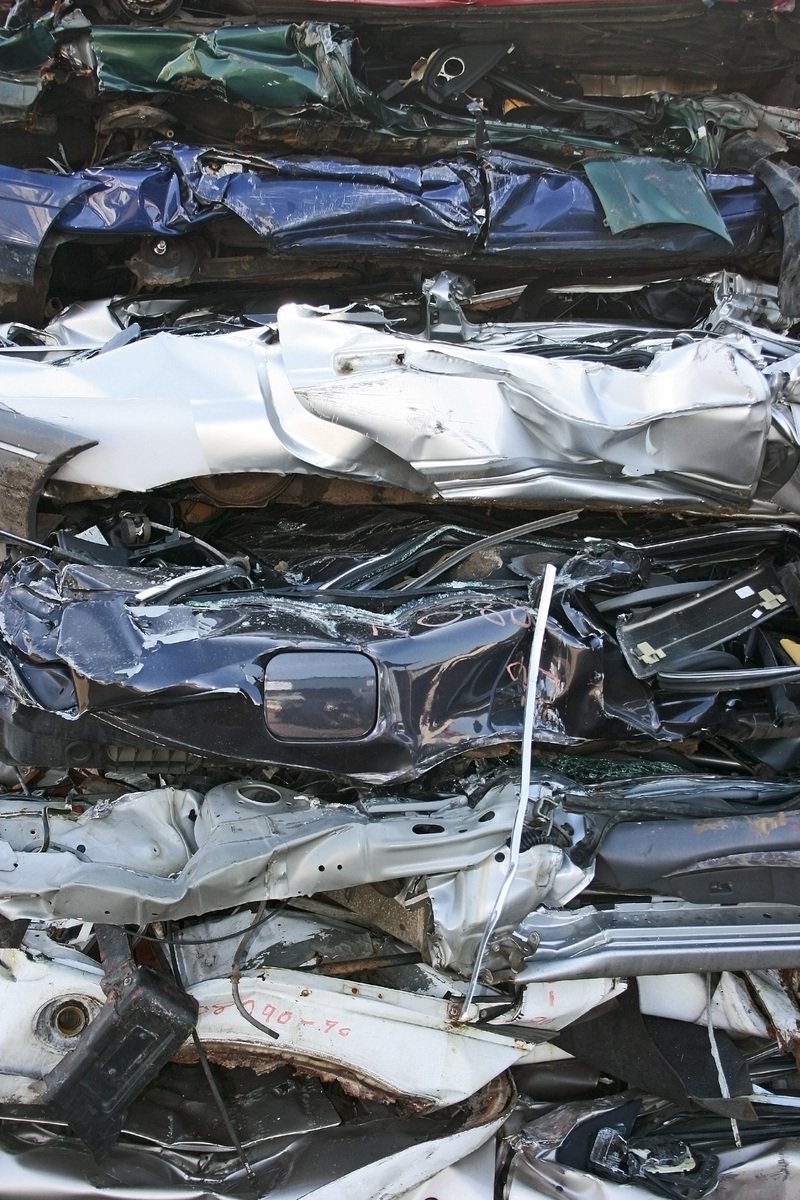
(791, 1042)
(763, 826)
(242, 489)
(495, 1100)
(356, 966)
(263, 1059)
(386, 914)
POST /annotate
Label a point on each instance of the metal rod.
(494, 539)
(537, 642)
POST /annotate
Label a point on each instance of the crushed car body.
(399, 600)
(595, 414)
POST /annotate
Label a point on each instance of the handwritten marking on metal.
(272, 1012)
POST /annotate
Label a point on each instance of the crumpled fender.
(30, 452)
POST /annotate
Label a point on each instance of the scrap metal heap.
(400, 607)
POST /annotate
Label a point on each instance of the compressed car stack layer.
(400, 601)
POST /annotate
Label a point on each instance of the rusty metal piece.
(355, 966)
(776, 995)
(265, 1058)
(242, 489)
(407, 925)
(165, 262)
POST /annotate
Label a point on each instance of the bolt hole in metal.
(452, 68)
(64, 1019)
(261, 793)
(70, 1019)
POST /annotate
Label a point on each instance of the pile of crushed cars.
(400, 608)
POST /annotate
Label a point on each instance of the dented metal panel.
(459, 209)
(30, 203)
(30, 453)
(262, 65)
(369, 1153)
(527, 427)
(188, 855)
(636, 192)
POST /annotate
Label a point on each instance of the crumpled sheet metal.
(272, 66)
(212, 405)
(333, 399)
(293, 935)
(93, 664)
(426, 681)
(169, 853)
(211, 402)
(783, 182)
(658, 426)
(765, 1171)
(333, 1026)
(461, 903)
(137, 198)
(465, 209)
(370, 1033)
(325, 208)
(184, 670)
(528, 202)
(30, 203)
(385, 1157)
(23, 54)
(277, 72)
